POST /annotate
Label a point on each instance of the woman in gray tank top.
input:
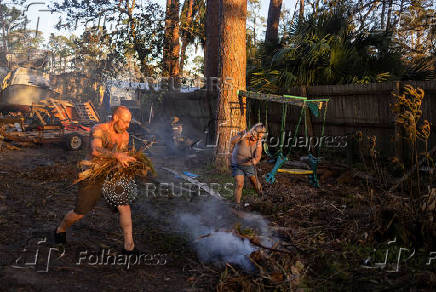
(247, 151)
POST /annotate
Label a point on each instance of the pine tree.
(232, 71)
(272, 31)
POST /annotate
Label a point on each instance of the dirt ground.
(36, 191)
(325, 234)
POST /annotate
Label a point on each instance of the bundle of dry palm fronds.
(100, 167)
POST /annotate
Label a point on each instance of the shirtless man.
(247, 151)
(105, 138)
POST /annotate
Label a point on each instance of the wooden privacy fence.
(352, 108)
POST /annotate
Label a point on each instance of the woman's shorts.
(246, 170)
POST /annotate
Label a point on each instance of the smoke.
(177, 137)
(224, 247)
(207, 224)
(209, 227)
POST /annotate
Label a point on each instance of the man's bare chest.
(112, 141)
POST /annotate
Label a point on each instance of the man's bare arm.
(97, 148)
(258, 153)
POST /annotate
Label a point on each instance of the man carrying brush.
(104, 138)
(247, 151)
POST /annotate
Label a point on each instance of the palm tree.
(324, 48)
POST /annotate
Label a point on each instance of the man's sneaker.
(60, 237)
(134, 251)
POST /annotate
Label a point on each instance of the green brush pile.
(98, 168)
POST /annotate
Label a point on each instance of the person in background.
(247, 152)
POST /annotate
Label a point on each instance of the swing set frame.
(307, 106)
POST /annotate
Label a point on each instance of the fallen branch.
(255, 241)
(203, 236)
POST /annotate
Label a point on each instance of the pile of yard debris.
(334, 238)
(7, 123)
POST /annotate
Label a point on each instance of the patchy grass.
(208, 174)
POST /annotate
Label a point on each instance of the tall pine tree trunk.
(212, 39)
(272, 29)
(301, 14)
(187, 25)
(388, 20)
(172, 44)
(211, 62)
(232, 72)
(183, 56)
(4, 52)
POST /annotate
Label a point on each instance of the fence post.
(398, 141)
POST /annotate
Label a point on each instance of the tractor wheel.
(74, 142)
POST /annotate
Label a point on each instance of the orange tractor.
(52, 120)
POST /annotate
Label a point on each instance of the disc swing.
(314, 107)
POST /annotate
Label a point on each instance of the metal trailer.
(54, 121)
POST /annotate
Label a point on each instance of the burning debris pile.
(211, 231)
(221, 247)
(276, 271)
(214, 230)
(242, 243)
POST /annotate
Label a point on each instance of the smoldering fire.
(209, 231)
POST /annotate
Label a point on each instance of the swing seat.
(296, 171)
(314, 106)
(270, 156)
